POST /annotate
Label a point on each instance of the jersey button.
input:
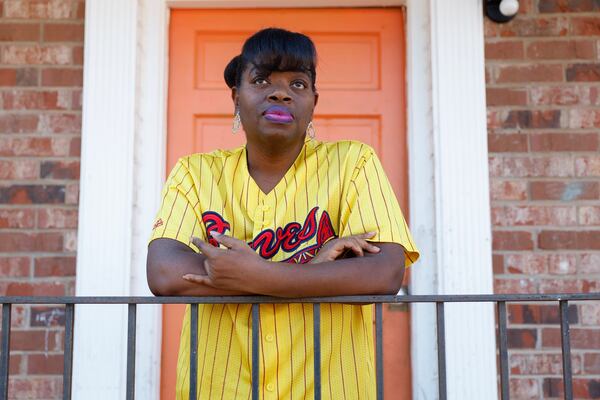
(269, 337)
(270, 387)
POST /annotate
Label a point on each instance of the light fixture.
(501, 10)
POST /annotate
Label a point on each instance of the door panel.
(360, 78)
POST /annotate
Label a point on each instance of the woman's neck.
(268, 164)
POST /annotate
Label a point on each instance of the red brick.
(508, 190)
(539, 314)
(37, 146)
(62, 77)
(509, 286)
(45, 364)
(591, 363)
(564, 191)
(590, 313)
(563, 286)
(75, 147)
(528, 263)
(27, 77)
(532, 119)
(18, 123)
(35, 289)
(15, 32)
(498, 263)
(564, 142)
(14, 267)
(36, 54)
(562, 264)
(521, 338)
(580, 338)
(533, 215)
(57, 218)
(27, 387)
(505, 97)
(589, 264)
(565, 6)
(507, 142)
(524, 389)
(538, 26)
(512, 240)
(589, 215)
(504, 50)
(562, 50)
(40, 9)
(531, 166)
(78, 55)
(583, 388)
(63, 32)
(32, 194)
(16, 365)
(72, 194)
(54, 266)
(38, 340)
(61, 123)
(530, 73)
(571, 240)
(23, 242)
(587, 25)
(36, 100)
(60, 170)
(541, 364)
(77, 100)
(587, 165)
(8, 77)
(17, 218)
(564, 95)
(583, 73)
(19, 169)
(47, 317)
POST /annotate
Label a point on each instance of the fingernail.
(215, 234)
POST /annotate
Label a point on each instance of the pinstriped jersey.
(332, 189)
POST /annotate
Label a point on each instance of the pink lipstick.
(278, 114)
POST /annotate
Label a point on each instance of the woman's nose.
(279, 95)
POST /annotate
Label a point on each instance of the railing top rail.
(462, 298)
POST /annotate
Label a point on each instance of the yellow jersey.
(332, 189)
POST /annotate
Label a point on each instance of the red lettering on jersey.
(214, 223)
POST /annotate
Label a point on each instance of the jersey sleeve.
(178, 216)
(370, 205)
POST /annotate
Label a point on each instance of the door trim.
(124, 116)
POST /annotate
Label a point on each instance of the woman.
(239, 222)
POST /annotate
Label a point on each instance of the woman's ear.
(234, 96)
(316, 98)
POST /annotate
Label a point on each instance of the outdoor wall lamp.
(501, 10)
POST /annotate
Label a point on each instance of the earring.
(237, 122)
(310, 130)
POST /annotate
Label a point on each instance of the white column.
(454, 234)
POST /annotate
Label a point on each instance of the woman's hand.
(337, 248)
(233, 268)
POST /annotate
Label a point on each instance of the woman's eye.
(260, 81)
(299, 85)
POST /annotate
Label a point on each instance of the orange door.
(360, 78)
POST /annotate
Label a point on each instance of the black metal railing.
(440, 301)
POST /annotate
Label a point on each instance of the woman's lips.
(278, 114)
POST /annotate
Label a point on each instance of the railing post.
(131, 327)
(503, 350)
(68, 352)
(441, 347)
(317, 349)
(5, 361)
(193, 351)
(255, 350)
(566, 349)
(379, 349)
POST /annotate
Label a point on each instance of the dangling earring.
(310, 130)
(237, 122)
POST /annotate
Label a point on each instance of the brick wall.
(543, 94)
(41, 56)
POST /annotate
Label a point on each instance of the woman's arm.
(168, 260)
(239, 268)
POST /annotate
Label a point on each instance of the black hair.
(274, 49)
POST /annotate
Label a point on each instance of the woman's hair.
(274, 49)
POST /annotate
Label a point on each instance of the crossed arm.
(174, 269)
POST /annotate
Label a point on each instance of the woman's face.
(275, 106)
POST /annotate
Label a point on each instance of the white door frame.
(123, 169)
